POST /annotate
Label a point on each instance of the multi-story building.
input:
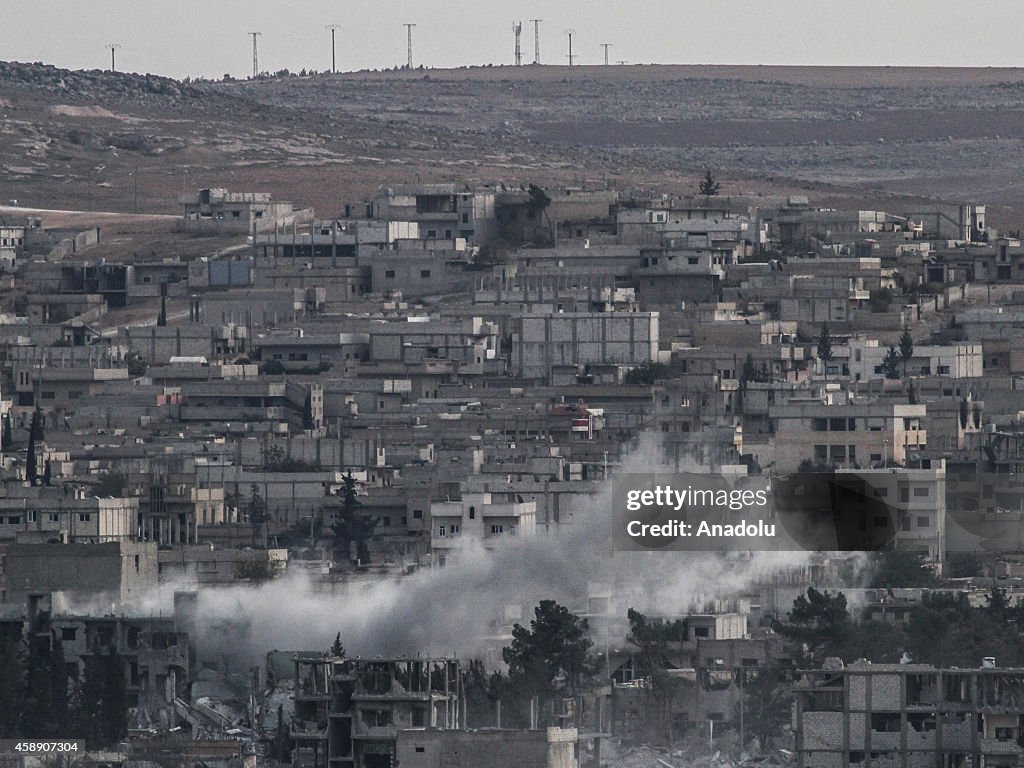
(911, 715)
(348, 712)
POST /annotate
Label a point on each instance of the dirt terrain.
(846, 136)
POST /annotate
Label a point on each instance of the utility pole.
(333, 28)
(569, 33)
(536, 40)
(408, 29)
(517, 29)
(255, 55)
(113, 47)
(606, 46)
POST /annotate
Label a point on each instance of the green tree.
(708, 186)
(646, 374)
(35, 434)
(351, 526)
(110, 484)
(653, 640)
(307, 412)
(890, 365)
(337, 649)
(537, 205)
(900, 569)
(552, 658)
(766, 702)
(906, 349)
(817, 622)
(256, 508)
(824, 352)
(960, 565)
(257, 571)
(12, 684)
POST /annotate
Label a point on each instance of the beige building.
(846, 434)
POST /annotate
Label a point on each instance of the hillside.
(849, 136)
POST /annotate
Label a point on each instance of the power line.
(536, 40)
(606, 46)
(255, 55)
(517, 28)
(408, 29)
(113, 47)
(333, 28)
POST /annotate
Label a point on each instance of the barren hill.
(845, 135)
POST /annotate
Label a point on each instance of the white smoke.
(455, 609)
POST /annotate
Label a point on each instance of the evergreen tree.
(307, 412)
(552, 658)
(825, 347)
(708, 186)
(337, 649)
(890, 365)
(350, 526)
(258, 516)
(906, 349)
(766, 702)
(31, 462)
(7, 436)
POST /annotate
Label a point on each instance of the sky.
(209, 39)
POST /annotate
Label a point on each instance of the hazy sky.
(208, 37)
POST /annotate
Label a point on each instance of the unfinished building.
(909, 715)
(348, 712)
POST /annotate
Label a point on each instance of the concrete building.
(119, 571)
(218, 210)
(845, 433)
(543, 341)
(349, 712)
(495, 748)
(911, 715)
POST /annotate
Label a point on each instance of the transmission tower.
(536, 40)
(408, 29)
(333, 28)
(255, 55)
(569, 33)
(113, 47)
(517, 29)
(606, 46)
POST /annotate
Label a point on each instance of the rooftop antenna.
(517, 29)
(113, 47)
(255, 55)
(606, 46)
(408, 29)
(570, 33)
(536, 40)
(333, 28)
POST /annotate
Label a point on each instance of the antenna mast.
(255, 55)
(517, 29)
(570, 33)
(606, 46)
(408, 28)
(333, 28)
(113, 47)
(536, 40)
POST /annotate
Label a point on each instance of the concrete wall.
(423, 748)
